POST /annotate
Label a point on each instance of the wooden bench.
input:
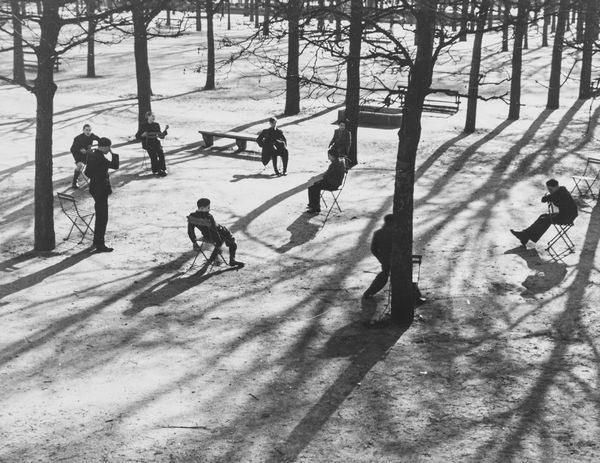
(30, 61)
(437, 104)
(240, 138)
(173, 25)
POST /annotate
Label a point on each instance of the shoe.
(235, 263)
(313, 211)
(284, 173)
(520, 237)
(162, 173)
(104, 248)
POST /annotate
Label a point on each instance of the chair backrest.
(67, 203)
(592, 164)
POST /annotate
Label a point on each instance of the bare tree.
(18, 64)
(91, 40)
(590, 35)
(557, 49)
(210, 44)
(517, 60)
(292, 94)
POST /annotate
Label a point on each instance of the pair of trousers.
(223, 235)
(284, 159)
(382, 278)
(314, 193)
(535, 231)
(101, 208)
(157, 159)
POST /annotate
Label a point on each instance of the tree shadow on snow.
(302, 230)
(547, 274)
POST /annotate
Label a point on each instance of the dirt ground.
(139, 356)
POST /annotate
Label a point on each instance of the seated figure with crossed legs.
(217, 234)
(567, 212)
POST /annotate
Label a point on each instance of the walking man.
(100, 189)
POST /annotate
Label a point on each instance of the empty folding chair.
(80, 219)
(560, 238)
(213, 240)
(585, 182)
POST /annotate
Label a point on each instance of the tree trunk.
(546, 25)
(198, 16)
(142, 68)
(464, 21)
(321, 16)
(44, 89)
(589, 36)
(246, 8)
(91, 66)
(256, 14)
(228, 15)
(581, 7)
(292, 88)
(475, 68)
(210, 43)
(514, 111)
(38, 4)
(267, 18)
(338, 21)
(353, 75)
(403, 302)
(506, 20)
(18, 65)
(557, 48)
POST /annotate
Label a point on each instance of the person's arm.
(164, 133)
(261, 138)
(282, 136)
(192, 233)
(114, 162)
(95, 137)
(75, 148)
(141, 132)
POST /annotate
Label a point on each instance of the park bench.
(240, 138)
(172, 25)
(445, 102)
(30, 61)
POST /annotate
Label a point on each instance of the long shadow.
(39, 276)
(9, 264)
(547, 275)
(364, 347)
(240, 177)
(302, 230)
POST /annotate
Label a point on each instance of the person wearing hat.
(341, 141)
(82, 145)
(218, 234)
(273, 144)
(100, 189)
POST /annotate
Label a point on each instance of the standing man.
(273, 144)
(381, 248)
(341, 141)
(150, 133)
(331, 180)
(82, 145)
(97, 171)
(567, 212)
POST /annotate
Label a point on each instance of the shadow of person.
(239, 177)
(547, 274)
(302, 230)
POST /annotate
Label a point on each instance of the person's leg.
(230, 243)
(274, 161)
(314, 192)
(153, 160)
(160, 158)
(535, 231)
(379, 281)
(78, 169)
(284, 158)
(101, 208)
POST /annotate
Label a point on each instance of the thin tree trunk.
(546, 24)
(198, 16)
(256, 14)
(353, 75)
(403, 302)
(91, 66)
(581, 7)
(321, 16)
(514, 111)
(142, 68)
(338, 20)
(210, 43)
(506, 20)
(555, 68)
(18, 65)
(475, 68)
(292, 88)
(464, 22)
(589, 36)
(44, 89)
(266, 17)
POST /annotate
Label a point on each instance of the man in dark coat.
(273, 144)
(341, 141)
(567, 212)
(381, 248)
(331, 180)
(100, 189)
(82, 145)
(150, 133)
(217, 234)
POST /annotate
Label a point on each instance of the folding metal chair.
(80, 219)
(200, 222)
(585, 182)
(560, 236)
(335, 194)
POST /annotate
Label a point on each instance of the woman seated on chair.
(331, 180)
(216, 234)
(567, 212)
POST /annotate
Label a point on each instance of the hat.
(203, 202)
(104, 142)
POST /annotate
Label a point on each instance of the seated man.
(331, 180)
(216, 234)
(567, 211)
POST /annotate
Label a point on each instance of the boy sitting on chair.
(216, 234)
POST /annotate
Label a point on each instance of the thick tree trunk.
(91, 58)
(18, 65)
(403, 302)
(44, 89)
(142, 68)
(210, 43)
(589, 36)
(267, 17)
(353, 75)
(475, 68)
(514, 111)
(555, 68)
(292, 88)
